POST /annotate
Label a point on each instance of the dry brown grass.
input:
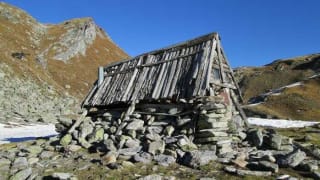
(80, 72)
(300, 102)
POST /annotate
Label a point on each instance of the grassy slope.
(301, 102)
(80, 72)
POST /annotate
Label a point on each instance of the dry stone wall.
(161, 131)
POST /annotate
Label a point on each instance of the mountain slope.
(65, 55)
(297, 102)
(46, 69)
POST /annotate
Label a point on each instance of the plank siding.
(183, 70)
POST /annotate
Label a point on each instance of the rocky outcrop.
(65, 55)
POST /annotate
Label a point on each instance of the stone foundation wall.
(157, 128)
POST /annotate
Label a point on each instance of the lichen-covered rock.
(23, 174)
(66, 140)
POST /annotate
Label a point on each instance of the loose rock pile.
(163, 132)
(190, 133)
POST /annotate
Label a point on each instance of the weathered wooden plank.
(211, 57)
(164, 78)
(135, 72)
(220, 59)
(159, 77)
(201, 68)
(140, 81)
(170, 78)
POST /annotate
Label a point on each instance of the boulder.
(136, 124)
(86, 128)
(168, 131)
(255, 137)
(129, 151)
(61, 176)
(20, 163)
(66, 140)
(33, 150)
(198, 158)
(131, 143)
(164, 160)
(274, 141)
(23, 174)
(156, 147)
(143, 157)
(211, 133)
(242, 172)
(309, 166)
(268, 166)
(293, 159)
(152, 177)
(109, 158)
(97, 135)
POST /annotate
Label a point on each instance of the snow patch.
(21, 131)
(281, 123)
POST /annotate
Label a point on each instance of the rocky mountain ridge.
(65, 55)
(46, 69)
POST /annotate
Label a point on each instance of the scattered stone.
(110, 145)
(23, 174)
(62, 176)
(240, 162)
(46, 154)
(283, 177)
(255, 136)
(230, 169)
(143, 157)
(156, 147)
(316, 175)
(73, 148)
(129, 151)
(131, 143)
(151, 177)
(109, 158)
(127, 164)
(20, 163)
(241, 172)
(97, 135)
(164, 160)
(135, 125)
(275, 141)
(293, 159)
(66, 140)
(33, 150)
(168, 131)
(86, 128)
(309, 166)
(268, 166)
(33, 160)
(198, 158)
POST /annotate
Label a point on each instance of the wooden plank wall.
(182, 71)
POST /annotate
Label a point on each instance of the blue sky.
(254, 32)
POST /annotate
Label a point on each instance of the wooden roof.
(185, 70)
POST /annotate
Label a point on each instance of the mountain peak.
(66, 54)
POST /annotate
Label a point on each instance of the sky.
(253, 32)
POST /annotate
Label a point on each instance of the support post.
(100, 75)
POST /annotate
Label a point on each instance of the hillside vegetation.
(65, 55)
(299, 102)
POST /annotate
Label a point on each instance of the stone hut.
(180, 97)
